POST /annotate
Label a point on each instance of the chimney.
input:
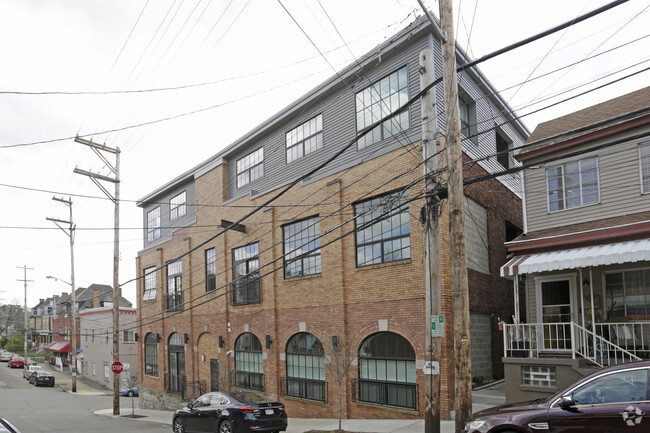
(64, 293)
(95, 298)
(40, 301)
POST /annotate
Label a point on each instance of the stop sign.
(117, 367)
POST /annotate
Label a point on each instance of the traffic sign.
(438, 326)
(117, 367)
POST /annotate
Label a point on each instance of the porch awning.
(597, 255)
(61, 346)
(48, 345)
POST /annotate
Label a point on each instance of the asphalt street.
(44, 409)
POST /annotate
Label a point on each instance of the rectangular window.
(644, 161)
(572, 185)
(378, 101)
(538, 376)
(153, 224)
(128, 336)
(627, 295)
(177, 206)
(250, 167)
(383, 229)
(149, 293)
(304, 139)
(302, 248)
(210, 270)
(463, 108)
(175, 286)
(503, 145)
(246, 287)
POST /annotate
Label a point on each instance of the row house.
(583, 262)
(59, 353)
(96, 335)
(333, 269)
(41, 320)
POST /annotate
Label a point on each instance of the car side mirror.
(567, 401)
(190, 405)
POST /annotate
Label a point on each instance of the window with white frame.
(128, 336)
(302, 248)
(305, 139)
(572, 185)
(627, 295)
(178, 206)
(538, 376)
(378, 101)
(463, 109)
(250, 167)
(153, 224)
(149, 293)
(644, 162)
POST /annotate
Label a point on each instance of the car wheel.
(130, 394)
(225, 426)
(178, 425)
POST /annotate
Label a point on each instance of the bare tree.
(131, 383)
(339, 361)
(11, 317)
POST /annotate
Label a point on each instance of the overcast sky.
(237, 63)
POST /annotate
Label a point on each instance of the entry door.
(214, 375)
(556, 307)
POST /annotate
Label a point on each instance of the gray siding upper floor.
(340, 128)
(335, 101)
(619, 185)
(167, 225)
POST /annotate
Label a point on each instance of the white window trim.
(564, 209)
(645, 144)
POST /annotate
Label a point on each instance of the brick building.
(333, 269)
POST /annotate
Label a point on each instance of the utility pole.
(25, 281)
(70, 234)
(459, 286)
(98, 148)
(432, 246)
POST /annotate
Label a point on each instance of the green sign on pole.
(438, 326)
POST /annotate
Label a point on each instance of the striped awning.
(597, 255)
(60, 346)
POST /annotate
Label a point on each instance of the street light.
(50, 277)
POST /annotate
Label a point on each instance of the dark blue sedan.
(230, 412)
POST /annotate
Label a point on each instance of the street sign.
(117, 367)
(431, 367)
(438, 326)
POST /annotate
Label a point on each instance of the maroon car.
(614, 399)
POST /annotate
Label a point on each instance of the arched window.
(151, 354)
(306, 368)
(387, 371)
(249, 370)
(176, 379)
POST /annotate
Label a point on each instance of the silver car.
(29, 370)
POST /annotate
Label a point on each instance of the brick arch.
(295, 329)
(252, 329)
(397, 328)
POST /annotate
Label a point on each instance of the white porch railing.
(567, 338)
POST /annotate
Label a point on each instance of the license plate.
(269, 411)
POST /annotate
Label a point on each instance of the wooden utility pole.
(25, 281)
(432, 246)
(116, 247)
(70, 233)
(459, 287)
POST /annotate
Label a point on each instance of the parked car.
(5, 356)
(230, 412)
(613, 399)
(132, 391)
(31, 369)
(7, 427)
(42, 377)
(16, 362)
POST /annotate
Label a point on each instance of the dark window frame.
(149, 292)
(150, 354)
(174, 297)
(362, 229)
(248, 345)
(304, 258)
(373, 104)
(246, 167)
(247, 287)
(210, 269)
(178, 208)
(297, 139)
(153, 225)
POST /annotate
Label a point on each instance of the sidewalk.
(483, 398)
(63, 381)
